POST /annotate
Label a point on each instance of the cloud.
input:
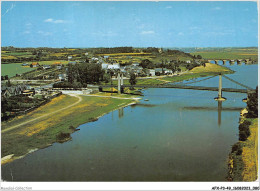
(50, 20)
(147, 32)
(168, 7)
(44, 33)
(28, 24)
(180, 33)
(216, 8)
(8, 10)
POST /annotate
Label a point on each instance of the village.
(45, 80)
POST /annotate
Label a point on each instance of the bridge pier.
(220, 98)
(232, 62)
(120, 83)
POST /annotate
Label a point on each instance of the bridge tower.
(122, 83)
(118, 83)
(122, 80)
(220, 98)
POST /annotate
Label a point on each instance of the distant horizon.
(137, 47)
(129, 23)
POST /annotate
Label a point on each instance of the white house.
(113, 67)
(45, 67)
(151, 72)
(167, 71)
(62, 77)
(104, 66)
(69, 57)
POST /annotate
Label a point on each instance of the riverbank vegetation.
(243, 159)
(55, 122)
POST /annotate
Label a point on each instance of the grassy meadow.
(13, 69)
(41, 133)
(244, 166)
(16, 68)
(250, 153)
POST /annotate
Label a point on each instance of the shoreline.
(10, 158)
(243, 158)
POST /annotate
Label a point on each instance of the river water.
(178, 135)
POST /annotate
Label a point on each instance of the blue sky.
(138, 24)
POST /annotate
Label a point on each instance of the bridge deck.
(183, 87)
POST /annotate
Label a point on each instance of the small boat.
(146, 100)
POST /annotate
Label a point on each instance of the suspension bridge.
(180, 85)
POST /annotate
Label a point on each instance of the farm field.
(50, 62)
(12, 69)
(229, 53)
(16, 68)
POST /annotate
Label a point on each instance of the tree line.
(79, 75)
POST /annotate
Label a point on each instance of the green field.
(16, 68)
(229, 53)
(13, 69)
(52, 62)
(16, 53)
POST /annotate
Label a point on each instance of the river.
(178, 135)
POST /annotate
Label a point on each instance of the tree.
(199, 56)
(8, 83)
(132, 79)
(106, 77)
(146, 63)
(71, 75)
(252, 104)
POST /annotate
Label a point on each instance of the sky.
(138, 24)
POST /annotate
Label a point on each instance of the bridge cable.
(247, 87)
(181, 83)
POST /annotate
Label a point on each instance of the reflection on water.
(219, 108)
(120, 112)
(219, 112)
(215, 108)
(143, 105)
